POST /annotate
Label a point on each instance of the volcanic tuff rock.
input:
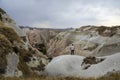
(88, 40)
(71, 65)
(40, 37)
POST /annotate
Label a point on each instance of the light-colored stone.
(70, 65)
(12, 63)
(87, 40)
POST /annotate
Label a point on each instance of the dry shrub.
(2, 11)
(22, 64)
(5, 45)
(111, 77)
(113, 29)
(114, 76)
(5, 48)
(9, 33)
(1, 23)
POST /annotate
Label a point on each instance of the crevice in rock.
(91, 60)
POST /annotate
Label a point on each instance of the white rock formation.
(12, 63)
(70, 65)
(39, 36)
(90, 40)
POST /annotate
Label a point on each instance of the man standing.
(72, 49)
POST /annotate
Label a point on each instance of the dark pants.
(72, 52)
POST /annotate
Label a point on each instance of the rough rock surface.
(39, 38)
(14, 52)
(70, 65)
(12, 63)
(88, 40)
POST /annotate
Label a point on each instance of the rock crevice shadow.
(91, 60)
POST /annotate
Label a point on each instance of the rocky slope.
(88, 40)
(99, 47)
(10, 22)
(18, 58)
(40, 37)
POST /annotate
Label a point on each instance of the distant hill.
(28, 27)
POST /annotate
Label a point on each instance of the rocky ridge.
(88, 40)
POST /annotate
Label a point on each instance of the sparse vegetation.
(5, 48)
(0, 17)
(8, 36)
(5, 45)
(22, 64)
(24, 56)
(2, 11)
(42, 48)
(115, 76)
(113, 29)
(9, 33)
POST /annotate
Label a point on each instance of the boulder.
(71, 65)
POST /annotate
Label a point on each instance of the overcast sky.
(63, 13)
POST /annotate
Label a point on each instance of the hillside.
(40, 37)
(18, 57)
(26, 54)
(88, 40)
(4, 17)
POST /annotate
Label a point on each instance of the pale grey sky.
(63, 13)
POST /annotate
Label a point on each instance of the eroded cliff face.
(39, 38)
(88, 40)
